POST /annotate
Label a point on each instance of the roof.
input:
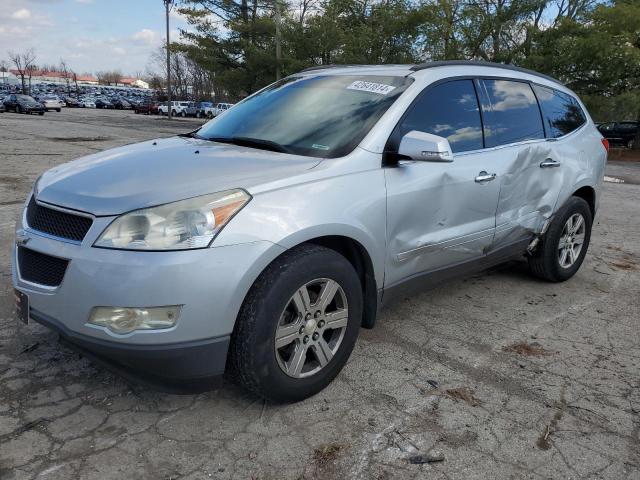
(481, 63)
(408, 69)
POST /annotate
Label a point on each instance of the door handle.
(550, 163)
(484, 177)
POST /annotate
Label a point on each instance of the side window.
(448, 110)
(510, 112)
(562, 113)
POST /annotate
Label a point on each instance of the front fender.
(352, 205)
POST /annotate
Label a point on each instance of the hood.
(161, 171)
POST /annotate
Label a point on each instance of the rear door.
(441, 214)
(527, 165)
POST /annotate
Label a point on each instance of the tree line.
(235, 47)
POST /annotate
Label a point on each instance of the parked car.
(177, 108)
(620, 133)
(23, 104)
(197, 109)
(147, 107)
(266, 239)
(218, 109)
(87, 103)
(51, 102)
(71, 102)
(103, 103)
(120, 103)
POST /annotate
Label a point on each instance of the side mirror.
(425, 147)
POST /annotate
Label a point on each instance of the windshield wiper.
(193, 134)
(252, 143)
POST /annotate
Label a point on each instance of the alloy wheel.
(311, 328)
(571, 240)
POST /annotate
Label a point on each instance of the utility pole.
(278, 40)
(167, 6)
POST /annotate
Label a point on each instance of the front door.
(441, 214)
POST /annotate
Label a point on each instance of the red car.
(146, 107)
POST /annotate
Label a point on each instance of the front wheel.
(298, 324)
(565, 244)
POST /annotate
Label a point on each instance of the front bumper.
(210, 284)
(185, 367)
(34, 109)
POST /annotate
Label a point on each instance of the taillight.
(605, 144)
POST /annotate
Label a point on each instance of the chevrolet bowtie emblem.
(22, 238)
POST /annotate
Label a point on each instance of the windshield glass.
(25, 98)
(322, 116)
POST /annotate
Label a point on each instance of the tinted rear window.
(562, 113)
(511, 112)
(448, 110)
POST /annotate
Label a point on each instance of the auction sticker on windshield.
(372, 87)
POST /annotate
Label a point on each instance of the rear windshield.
(322, 116)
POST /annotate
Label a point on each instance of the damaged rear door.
(441, 214)
(528, 168)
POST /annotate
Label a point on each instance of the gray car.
(262, 242)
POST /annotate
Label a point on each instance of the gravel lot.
(493, 376)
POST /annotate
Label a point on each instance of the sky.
(90, 35)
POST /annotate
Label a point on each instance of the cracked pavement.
(497, 375)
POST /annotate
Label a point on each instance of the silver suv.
(262, 242)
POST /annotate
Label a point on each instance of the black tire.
(19, 109)
(40, 113)
(58, 110)
(544, 263)
(252, 356)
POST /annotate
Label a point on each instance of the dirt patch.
(543, 440)
(529, 349)
(326, 454)
(627, 266)
(79, 139)
(10, 180)
(462, 394)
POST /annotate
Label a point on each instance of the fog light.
(126, 320)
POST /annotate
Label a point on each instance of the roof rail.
(330, 65)
(480, 63)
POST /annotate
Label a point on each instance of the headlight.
(183, 225)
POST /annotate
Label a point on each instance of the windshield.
(25, 98)
(322, 116)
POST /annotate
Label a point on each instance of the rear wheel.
(298, 324)
(565, 244)
(630, 143)
(58, 110)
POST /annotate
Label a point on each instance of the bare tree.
(24, 63)
(112, 77)
(66, 73)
